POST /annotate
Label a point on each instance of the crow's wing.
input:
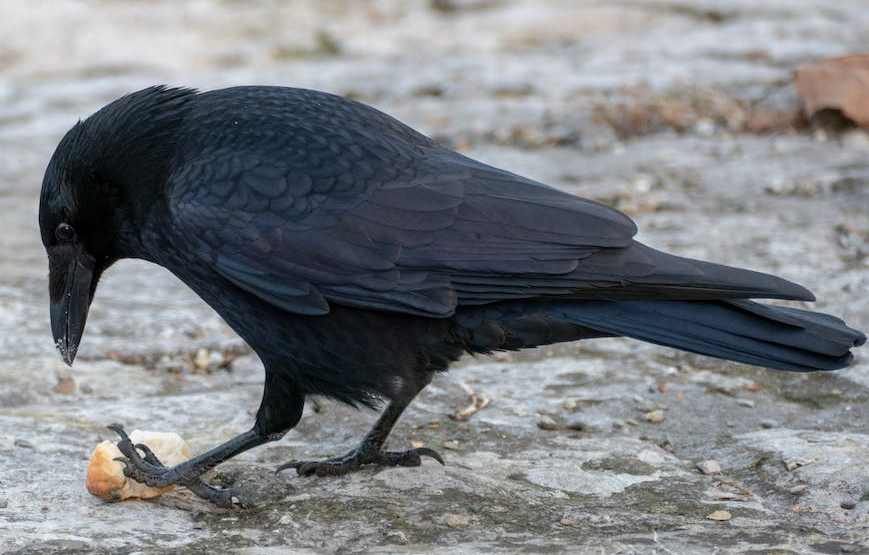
(418, 235)
(387, 223)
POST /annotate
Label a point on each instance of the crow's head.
(101, 182)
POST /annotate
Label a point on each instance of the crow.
(358, 258)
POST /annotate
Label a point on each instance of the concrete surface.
(678, 112)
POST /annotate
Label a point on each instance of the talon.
(118, 429)
(426, 452)
(291, 464)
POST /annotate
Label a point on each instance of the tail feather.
(743, 331)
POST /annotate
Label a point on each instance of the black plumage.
(358, 257)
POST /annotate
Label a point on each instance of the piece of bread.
(105, 477)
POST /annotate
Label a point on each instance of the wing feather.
(362, 211)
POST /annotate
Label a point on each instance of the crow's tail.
(744, 331)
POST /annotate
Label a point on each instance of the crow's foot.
(147, 469)
(360, 457)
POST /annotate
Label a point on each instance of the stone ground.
(680, 113)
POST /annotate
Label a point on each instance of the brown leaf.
(836, 83)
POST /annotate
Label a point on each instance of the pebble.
(3, 502)
(568, 521)
(720, 516)
(768, 424)
(582, 424)
(709, 467)
(454, 520)
(23, 443)
(798, 490)
(545, 422)
(397, 536)
(745, 403)
(794, 464)
(200, 361)
(848, 505)
(655, 416)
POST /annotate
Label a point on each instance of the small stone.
(569, 404)
(720, 516)
(545, 422)
(3, 502)
(568, 521)
(452, 445)
(709, 467)
(23, 443)
(745, 403)
(397, 536)
(794, 464)
(285, 520)
(768, 424)
(654, 416)
(849, 548)
(200, 361)
(454, 520)
(798, 490)
(86, 389)
(848, 505)
(417, 444)
(582, 423)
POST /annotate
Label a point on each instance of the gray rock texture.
(679, 112)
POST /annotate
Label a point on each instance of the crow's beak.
(71, 286)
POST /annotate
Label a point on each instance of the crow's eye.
(65, 233)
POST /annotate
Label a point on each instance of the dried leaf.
(836, 83)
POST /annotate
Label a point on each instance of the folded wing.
(421, 230)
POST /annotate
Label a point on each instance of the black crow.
(358, 257)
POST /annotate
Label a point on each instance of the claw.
(291, 464)
(125, 444)
(426, 452)
(118, 429)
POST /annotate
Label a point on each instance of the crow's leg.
(370, 450)
(280, 410)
